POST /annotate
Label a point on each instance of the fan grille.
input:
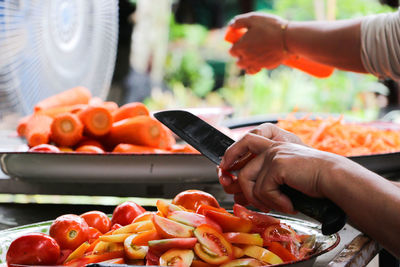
(47, 46)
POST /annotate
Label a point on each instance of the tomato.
(98, 220)
(191, 199)
(44, 148)
(229, 222)
(280, 232)
(93, 234)
(212, 247)
(202, 209)
(70, 231)
(34, 248)
(260, 221)
(281, 251)
(64, 254)
(126, 212)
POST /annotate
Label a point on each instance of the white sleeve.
(380, 45)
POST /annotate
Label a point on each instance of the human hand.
(262, 46)
(276, 163)
(268, 130)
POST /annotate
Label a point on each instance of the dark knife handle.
(323, 210)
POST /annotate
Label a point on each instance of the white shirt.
(380, 45)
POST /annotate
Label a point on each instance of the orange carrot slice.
(76, 95)
(140, 130)
(66, 129)
(97, 120)
(38, 130)
(130, 110)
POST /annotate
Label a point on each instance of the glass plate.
(324, 243)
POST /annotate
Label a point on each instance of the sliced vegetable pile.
(74, 121)
(336, 136)
(193, 230)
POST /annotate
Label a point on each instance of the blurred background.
(172, 54)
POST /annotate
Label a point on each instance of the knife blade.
(212, 143)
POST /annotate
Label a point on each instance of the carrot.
(97, 121)
(140, 130)
(311, 67)
(88, 141)
(21, 127)
(129, 148)
(38, 130)
(110, 105)
(55, 111)
(89, 149)
(184, 148)
(66, 129)
(76, 95)
(333, 135)
(95, 101)
(130, 110)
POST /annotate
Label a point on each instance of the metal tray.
(108, 167)
(324, 243)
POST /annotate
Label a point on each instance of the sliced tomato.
(202, 209)
(280, 232)
(177, 257)
(212, 248)
(193, 219)
(260, 221)
(229, 222)
(169, 229)
(163, 245)
(281, 251)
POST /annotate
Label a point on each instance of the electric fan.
(47, 46)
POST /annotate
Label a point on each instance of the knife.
(212, 143)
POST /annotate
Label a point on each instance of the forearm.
(365, 197)
(335, 43)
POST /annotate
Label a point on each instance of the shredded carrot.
(346, 139)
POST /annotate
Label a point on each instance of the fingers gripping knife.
(212, 143)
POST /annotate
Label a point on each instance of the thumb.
(249, 143)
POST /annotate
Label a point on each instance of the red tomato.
(70, 231)
(280, 232)
(126, 212)
(44, 148)
(34, 248)
(260, 220)
(93, 234)
(98, 220)
(192, 199)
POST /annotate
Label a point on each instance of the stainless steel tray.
(108, 167)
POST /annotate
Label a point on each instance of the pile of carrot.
(346, 139)
(74, 121)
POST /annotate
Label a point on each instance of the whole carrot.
(66, 129)
(76, 95)
(89, 141)
(38, 130)
(129, 148)
(130, 110)
(55, 111)
(89, 149)
(97, 120)
(141, 130)
(21, 127)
